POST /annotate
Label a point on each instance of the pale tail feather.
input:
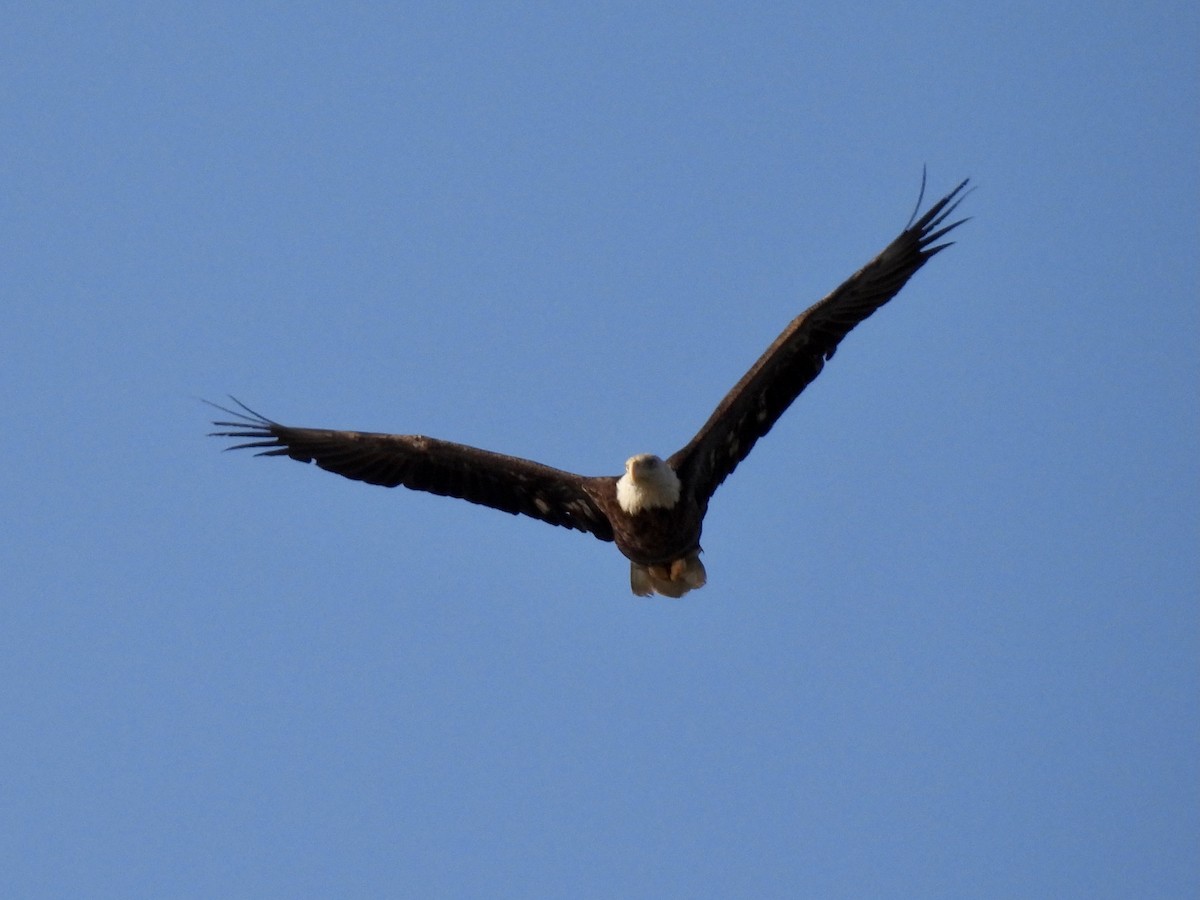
(672, 581)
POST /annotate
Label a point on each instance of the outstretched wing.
(798, 355)
(502, 482)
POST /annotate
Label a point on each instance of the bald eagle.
(655, 510)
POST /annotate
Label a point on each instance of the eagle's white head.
(648, 483)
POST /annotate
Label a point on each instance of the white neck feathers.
(648, 483)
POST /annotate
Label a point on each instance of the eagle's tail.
(674, 580)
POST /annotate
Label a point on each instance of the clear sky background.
(949, 645)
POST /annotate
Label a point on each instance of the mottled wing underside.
(507, 483)
(799, 353)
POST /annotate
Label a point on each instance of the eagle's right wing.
(800, 352)
(507, 483)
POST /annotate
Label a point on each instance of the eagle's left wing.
(791, 363)
(507, 483)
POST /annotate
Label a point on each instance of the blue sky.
(949, 645)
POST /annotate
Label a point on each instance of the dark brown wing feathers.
(507, 483)
(799, 353)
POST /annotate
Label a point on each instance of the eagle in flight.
(654, 512)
